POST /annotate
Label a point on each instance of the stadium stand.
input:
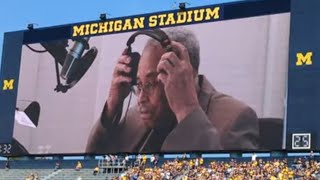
(45, 169)
(181, 168)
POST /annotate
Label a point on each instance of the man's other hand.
(177, 75)
(120, 85)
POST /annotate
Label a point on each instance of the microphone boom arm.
(58, 50)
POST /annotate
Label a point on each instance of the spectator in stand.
(156, 160)
(36, 176)
(196, 162)
(114, 158)
(57, 166)
(96, 170)
(27, 178)
(184, 156)
(107, 158)
(139, 159)
(144, 161)
(254, 157)
(127, 160)
(152, 159)
(7, 165)
(201, 162)
(32, 176)
(79, 166)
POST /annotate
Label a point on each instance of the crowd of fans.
(197, 169)
(33, 176)
(149, 168)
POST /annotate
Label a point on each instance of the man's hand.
(177, 75)
(120, 85)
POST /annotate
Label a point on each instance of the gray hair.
(189, 40)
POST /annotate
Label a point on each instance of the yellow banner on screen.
(158, 20)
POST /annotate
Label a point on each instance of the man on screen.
(177, 110)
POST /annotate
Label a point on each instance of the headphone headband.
(156, 34)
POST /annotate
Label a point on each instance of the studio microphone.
(74, 65)
(72, 60)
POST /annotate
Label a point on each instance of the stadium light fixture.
(30, 27)
(103, 16)
(182, 6)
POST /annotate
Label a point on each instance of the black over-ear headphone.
(156, 34)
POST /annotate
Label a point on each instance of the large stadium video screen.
(149, 84)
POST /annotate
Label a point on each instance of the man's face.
(152, 102)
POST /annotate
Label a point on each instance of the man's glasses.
(147, 88)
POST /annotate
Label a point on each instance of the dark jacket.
(219, 123)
